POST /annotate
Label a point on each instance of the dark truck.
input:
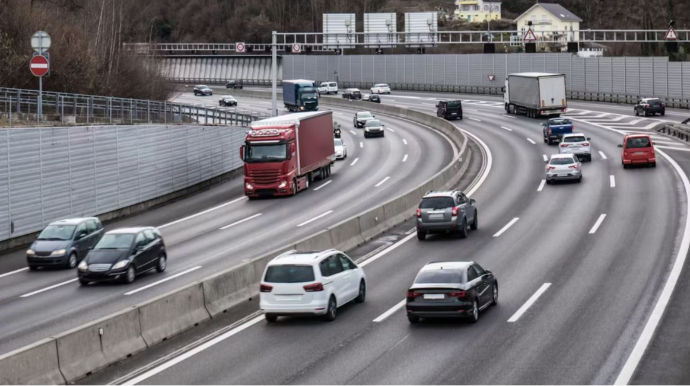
(300, 95)
(554, 129)
(449, 109)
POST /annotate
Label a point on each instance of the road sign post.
(40, 65)
(274, 75)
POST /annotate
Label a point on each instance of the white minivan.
(328, 88)
(310, 283)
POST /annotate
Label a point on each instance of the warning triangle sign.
(529, 36)
(671, 34)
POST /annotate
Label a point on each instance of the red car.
(637, 149)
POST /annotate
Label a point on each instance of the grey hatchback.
(446, 212)
(64, 243)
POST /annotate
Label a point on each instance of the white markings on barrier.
(354, 162)
(315, 218)
(383, 181)
(505, 228)
(13, 272)
(506, 128)
(597, 224)
(530, 141)
(241, 221)
(613, 180)
(533, 299)
(390, 312)
(541, 185)
(162, 281)
(204, 212)
(405, 158)
(48, 288)
(601, 153)
(323, 185)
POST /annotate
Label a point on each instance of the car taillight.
(550, 167)
(459, 294)
(266, 288)
(663, 105)
(455, 211)
(549, 131)
(419, 212)
(411, 294)
(574, 167)
(585, 144)
(316, 287)
(646, 105)
(564, 145)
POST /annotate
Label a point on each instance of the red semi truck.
(283, 155)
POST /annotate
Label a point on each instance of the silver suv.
(446, 212)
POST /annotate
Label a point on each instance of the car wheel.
(548, 182)
(637, 113)
(162, 263)
(579, 180)
(475, 312)
(646, 114)
(475, 223)
(653, 164)
(271, 318)
(130, 275)
(71, 261)
(625, 166)
(362, 292)
(413, 319)
(33, 267)
(421, 235)
(663, 112)
(294, 186)
(463, 232)
(332, 310)
(83, 282)
(495, 295)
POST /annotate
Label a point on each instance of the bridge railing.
(19, 107)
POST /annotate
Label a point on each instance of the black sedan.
(650, 106)
(374, 98)
(452, 289)
(227, 100)
(122, 254)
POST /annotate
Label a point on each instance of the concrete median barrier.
(172, 313)
(36, 364)
(228, 289)
(319, 241)
(372, 223)
(347, 235)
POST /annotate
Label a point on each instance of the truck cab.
(300, 95)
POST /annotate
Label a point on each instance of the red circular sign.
(39, 65)
(240, 47)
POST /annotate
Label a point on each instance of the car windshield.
(265, 153)
(574, 139)
(324, 84)
(203, 86)
(381, 85)
(57, 232)
(637, 142)
(309, 95)
(338, 142)
(289, 274)
(654, 102)
(561, 161)
(445, 276)
(115, 241)
(364, 115)
(560, 122)
(333, 85)
(437, 203)
(373, 123)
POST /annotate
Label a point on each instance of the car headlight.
(59, 252)
(30, 252)
(120, 264)
(83, 266)
(301, 107)
(282, 184)
(248, 186)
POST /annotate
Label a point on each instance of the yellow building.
(550, 20)
(477, 11)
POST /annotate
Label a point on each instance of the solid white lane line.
(505, 228)
(529, 303)
(673, 148)
(204, 212)
(613, 180)
(162, 281)
(389, 129)
(48, 288)
(361, 145)
(601, 153)
(383, 181)
(13, 272)
(545, 157)
(390, 312)
(354, 162)
(404, 141)
(530, 141)
(404, 159)
(475, 119)
(387, 250)
(324, 184)
(240, 222)
(315, 218)
(648, 332)
(471, 110)
(509, 116)
(194, 351)
(353, 132)
(506, 128)
(597, 224)
(541, 185)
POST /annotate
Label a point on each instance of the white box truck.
(535, 94)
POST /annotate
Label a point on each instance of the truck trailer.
(284, 154)
(300, 95)
(535, 94)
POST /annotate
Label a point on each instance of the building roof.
(554, 9)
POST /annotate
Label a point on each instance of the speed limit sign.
(240, 47)
(296, 48)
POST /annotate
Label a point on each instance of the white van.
(328, 88)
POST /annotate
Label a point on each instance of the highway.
(580, 269)
(219, 228)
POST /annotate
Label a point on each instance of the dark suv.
(650, 106)
(449, 109)
(63, 243)
(446, 212)
(235, 83)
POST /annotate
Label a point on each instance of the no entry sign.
(39, 65)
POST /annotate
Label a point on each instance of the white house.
(550, 20)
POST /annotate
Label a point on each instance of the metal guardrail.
(18, 107)
(680, 130)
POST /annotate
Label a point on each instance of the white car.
(328, 88)
(563, 167)
(340, 149)
(381, 89)
(310, 283)
(577, 144)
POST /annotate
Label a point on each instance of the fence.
(50, 173)
(19, 108)
(218, 70)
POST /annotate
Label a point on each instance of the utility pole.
(274, 75)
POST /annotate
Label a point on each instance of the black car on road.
(64, 243)
(227, 100)
(122, 254)
(446, 212)
(451, 289)
(650, 106)
(234, 83)
(449, 109)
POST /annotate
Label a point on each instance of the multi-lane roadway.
(582, 270)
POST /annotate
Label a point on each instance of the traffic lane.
(215, 252)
